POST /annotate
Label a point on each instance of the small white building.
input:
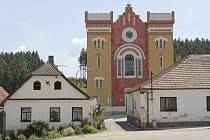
(178, 96)
(46, 96)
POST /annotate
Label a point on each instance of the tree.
(15, 68)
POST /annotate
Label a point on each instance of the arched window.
(119, 68)
(94, 43)
(129, 65)
(57, 85)
(98, 61)
(161, 43)
(102, 43)
(37, 85)
(157, 42)
(99, 43)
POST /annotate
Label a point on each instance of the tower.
(160, 40)
(83, 63)
(121, 53)
(98, 27)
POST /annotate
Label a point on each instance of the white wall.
(138, 99)
(41, 111)
(191, 106)
(47, 91)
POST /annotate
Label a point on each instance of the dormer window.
(161, 42)
(57, 85)
(98, 42)
(37, 85)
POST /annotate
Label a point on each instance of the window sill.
(168, 111)
(76, 120)
(140, 77)
(129, 77)
(25, 121)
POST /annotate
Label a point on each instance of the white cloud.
(79, 41)
(22, 48)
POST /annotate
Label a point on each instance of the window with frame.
(102, 43)
(99, 82)
(99, 43)
(94, 43)
(25, 114)
(76, 113)
(164, 43)
(139, 68)
(98, 61)
(208, 103)
(57, 85)
(54, 114)
(129, 65)
(37, 85)
(168, 104)
(161, 43)
(161, 61)
(157, 42)
(119, 68)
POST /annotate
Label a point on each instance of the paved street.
(202, 133)
(119, 129)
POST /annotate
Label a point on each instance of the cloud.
(22, 48)
(79, 41)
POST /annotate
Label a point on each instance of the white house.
(47, 96)
(180, 95)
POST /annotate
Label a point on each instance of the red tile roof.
(3, 94)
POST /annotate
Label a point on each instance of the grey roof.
(47, 69)
(192, 72)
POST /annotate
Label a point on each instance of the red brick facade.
(127, 19)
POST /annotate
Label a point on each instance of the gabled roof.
(49, 69)
(3, 94)
(193, 72)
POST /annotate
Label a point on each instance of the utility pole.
(149, 98)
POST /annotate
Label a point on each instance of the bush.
(89, 129)
(33, 137)
(8, 138)
(38, 128)
(68, 131)
(77, 130)
(11, 134)
(21, 137)
(0, 136)
(20, 131)
(53, 134)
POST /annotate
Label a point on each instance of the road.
(119, 129)
(201, 133)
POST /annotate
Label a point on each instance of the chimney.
(51, 59)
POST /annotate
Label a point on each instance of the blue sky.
(56, 27)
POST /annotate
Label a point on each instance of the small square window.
(57, 85)
(37, 85)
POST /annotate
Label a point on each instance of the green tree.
(15, 68)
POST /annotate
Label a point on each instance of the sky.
(56, 27)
